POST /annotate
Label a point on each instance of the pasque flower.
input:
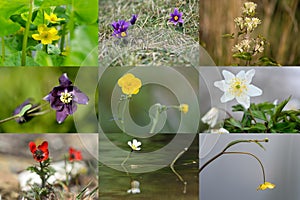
(133, 19)
(176, 17)
(64, 98)
(238, 87)
(130, 84)
(41, 152)
(46, 35)
(74, 154)
(135, 145)
(120, 28)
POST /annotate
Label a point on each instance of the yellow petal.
(36, 36)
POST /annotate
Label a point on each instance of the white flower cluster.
(252, 46)
(249, 8)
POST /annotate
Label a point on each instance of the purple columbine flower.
(64, 98)
(25, 117)
(133, 19)
(120, 28)
(176, 17)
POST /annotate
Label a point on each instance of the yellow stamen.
(66, 97)
(123, 34)
(237, 87)
(176, 18)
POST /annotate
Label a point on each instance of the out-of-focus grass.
(280, 26)
(160, 38)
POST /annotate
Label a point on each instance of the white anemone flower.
(238, 87)
(135, 145)
(211, 117)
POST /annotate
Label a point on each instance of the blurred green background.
(20, 83)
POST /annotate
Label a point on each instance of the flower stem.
(42, 175)
(250, 154)
(124, 161)
(25, 38)
(9, 118)
(175, 172)
(3, 49)
(63, 37)
(251, 114)
(154, 122)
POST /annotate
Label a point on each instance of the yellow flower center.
(123, 34)
(176, 18)
(66, 97)
(237, 87)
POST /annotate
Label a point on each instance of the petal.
(61, 116)
(36, 36)
(227, 97)
(221, 85)
(129, 143)
(32, 147)
(43, 146)
(228, 75)
(249, 75)
(241, 75)
(254, 91)
(70, 108)
(79, 97)
(47, 98)
(64, 80)
(244, 100)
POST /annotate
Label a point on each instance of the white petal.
(254, 91)
(138, 144)
(244, 100)
(228, 75)
(129, 143)
(249, 75)
(221, 85)
(138, 148)
(227, 97)
(241, 75)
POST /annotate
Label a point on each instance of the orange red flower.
(41, 152)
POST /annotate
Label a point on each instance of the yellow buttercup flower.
(130, 84)
(184, 108)
(53, 18)
(266, 185)
(46, 35)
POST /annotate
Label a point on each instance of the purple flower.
(25, 117)
(176, 17)
(64, 98)
(120, 28)
(133, 19)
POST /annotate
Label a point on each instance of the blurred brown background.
(280, 26)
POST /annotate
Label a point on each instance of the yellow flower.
(266, 185)
(130, 84)
(46, 35)
(53, 18)
(184, 108)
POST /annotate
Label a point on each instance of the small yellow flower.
(130, 84)
(184, 108)
(266, 185)
(46, 35)
(53, 18)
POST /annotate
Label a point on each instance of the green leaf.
(84, 47)
(8, 27)
(49, 3)
(230, 36)
(284, 127)
(52, 49)
(259, 115)
(243, 55)
(266, 61)
(279, 108)
(238, 107)
(235, 123)
(8, 8)
(86, 11)
(15, 60)
(256, 128)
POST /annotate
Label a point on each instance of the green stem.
(124, 161)
(154, 122)
(251, 114)
(175, 172)
(62, 41)
(9, 118)
(250, 154)
(42, 176)
(25, 38)
(3, 49)
(121, 115)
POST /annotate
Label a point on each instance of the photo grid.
(158, 99)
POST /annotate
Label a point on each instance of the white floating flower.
(211, 117)
(135, 145)
(238, 87)
(135, 187)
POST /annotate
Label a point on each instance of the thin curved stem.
(124, 161)
(175, 172)
(254, 156)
